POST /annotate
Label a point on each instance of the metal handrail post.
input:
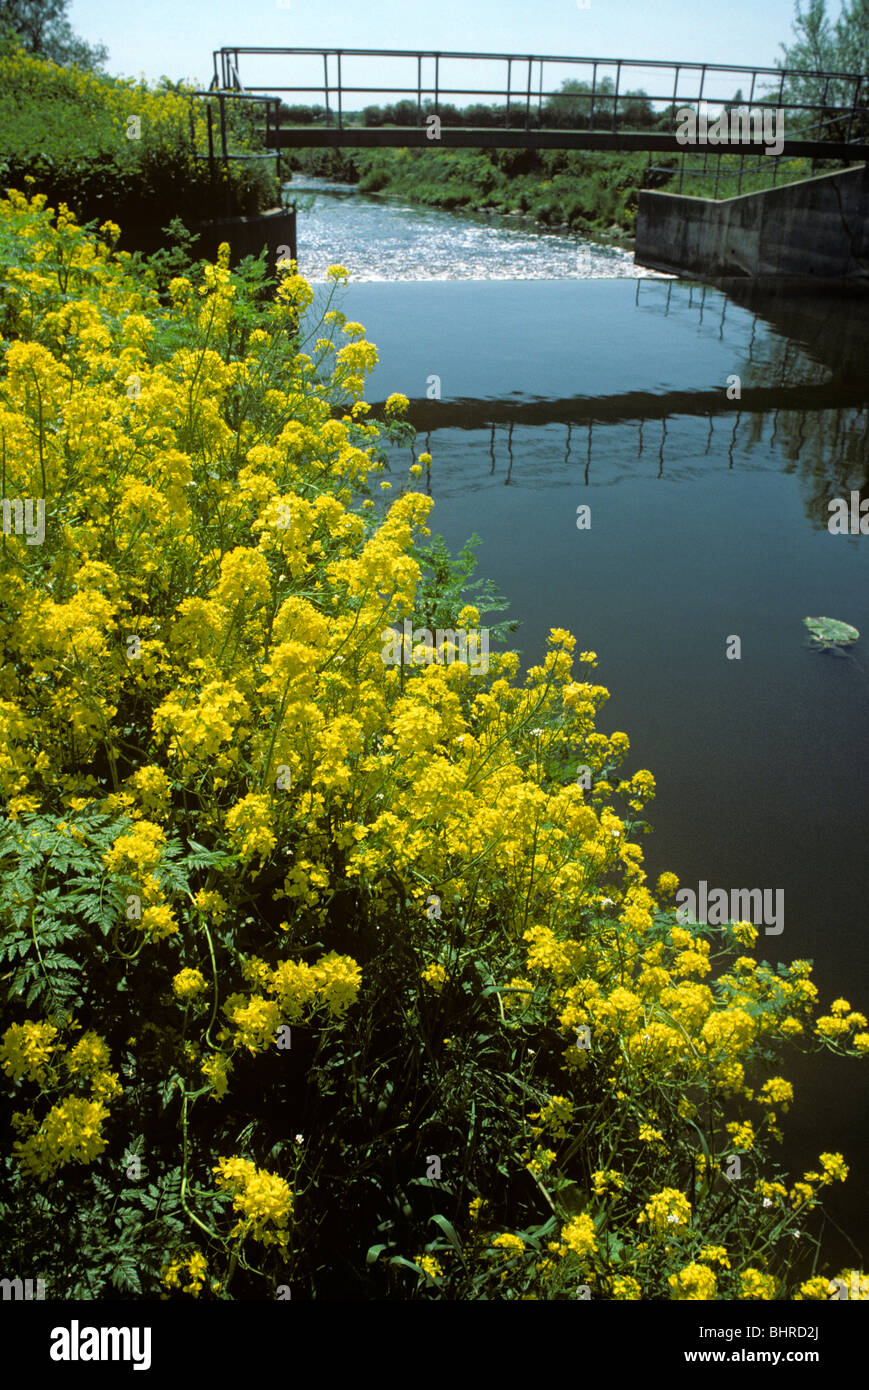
(507, 107)
(211, 198)
(340, 107)
(224, 152)
(853, 109)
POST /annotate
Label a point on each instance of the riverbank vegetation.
(122, 150)
(325, 976)
(595, 193)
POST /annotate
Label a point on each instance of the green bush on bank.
(71, 133)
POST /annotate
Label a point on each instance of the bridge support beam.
(414, 137)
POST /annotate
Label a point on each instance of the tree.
(42, 28)
(819, 45)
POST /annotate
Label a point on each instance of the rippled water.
(383, 238)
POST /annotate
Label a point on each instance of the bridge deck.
(546, 101)
(414, 137)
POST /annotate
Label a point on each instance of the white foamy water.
(383, 238)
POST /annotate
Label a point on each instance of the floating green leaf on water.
(826, 634)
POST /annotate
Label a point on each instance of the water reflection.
(801, 408)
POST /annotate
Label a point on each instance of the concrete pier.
(817, 227)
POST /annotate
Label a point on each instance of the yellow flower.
(741, 1133)
(577, 1237)
(89, 1056)
(817, 1288)
(188, 983)
(158, 922)
(250, 826)
(714, 1254)
(745, 933)
(835, 1168)
(396, 404)
(26, 1049)
(196, 1268)
(694, 1282)
(667, 884)
(215, 1069)
(650, 1136)
(756, 1285)
(667, 1213)
(257, 1023)
(475, 1209)
(541, 1161)
(263, 1200)
(434, 975)
(776, 1091)
(70, 1133)
(431, 1267)
(802, 1194)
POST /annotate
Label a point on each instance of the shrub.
(321, 971)
(67, 131)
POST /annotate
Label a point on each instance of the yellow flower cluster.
(668, 1213)
(188, 983)
(26, 1049)
(430, 1266)
(578, 1237)
(694, 1282)
(263, 1200)
(434, 975)
(70, 1133)
(258, 592)
(194, 1267)
(299, 989)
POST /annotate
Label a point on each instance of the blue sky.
(176, 37)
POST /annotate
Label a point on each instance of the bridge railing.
(605, 95)
(218, 151)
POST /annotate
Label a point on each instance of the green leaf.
(450, 1233)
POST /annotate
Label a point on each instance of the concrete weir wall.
(816, 227)
(246, 236)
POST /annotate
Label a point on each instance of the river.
(569, 377)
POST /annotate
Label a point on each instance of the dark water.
(708, 520)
